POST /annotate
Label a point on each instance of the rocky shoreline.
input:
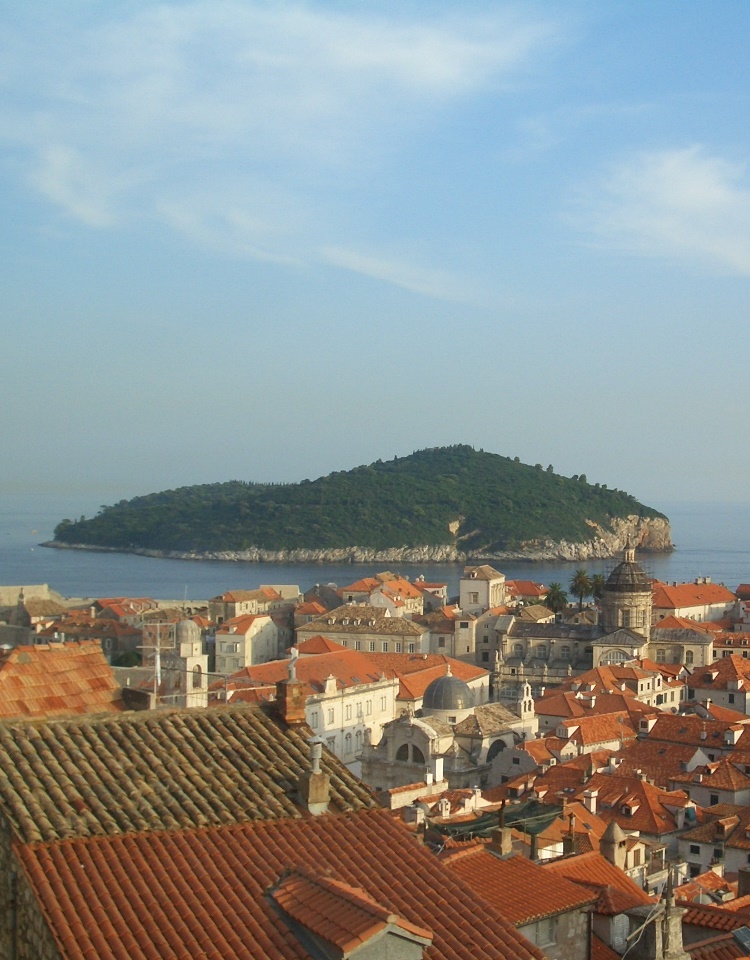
(648, 535)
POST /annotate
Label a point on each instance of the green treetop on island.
(444, 495)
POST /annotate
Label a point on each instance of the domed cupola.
(628, 576)
(628, 596)
(448, 698)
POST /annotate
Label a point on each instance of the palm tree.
(556, 599)
(580, 585)
(598, 584)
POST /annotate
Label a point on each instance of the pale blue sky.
(270, 240)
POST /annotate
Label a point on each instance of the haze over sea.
(712, 540)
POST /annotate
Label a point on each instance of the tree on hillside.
(580, 585)
(556, 599)
(597, 586)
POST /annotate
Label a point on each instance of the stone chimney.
(589, 800)
(315, 787)
(656, 932)
(501, 840)
(613, 845)
(290, 696)
(743, 878)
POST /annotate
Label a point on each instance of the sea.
(711, 539)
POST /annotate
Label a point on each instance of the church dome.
(187, 631)
(628, 576)
(448, 693)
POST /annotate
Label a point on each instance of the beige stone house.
(369, 629)
(246, 640)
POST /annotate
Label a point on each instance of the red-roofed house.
(700, 600)
(57, 680)
(348, 698)
(245, 640)
(551, 915)
(726, 682)
(326, 886)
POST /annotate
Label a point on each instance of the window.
(357, 644)
(411, 648)
(718, 853)
(463, 624)
(314, 719)
(695, 849)
(348, 712)
(451, 719)
(359, 708)
(713, 799)
(383, 703)
(565, 653)
(544, 932)
(358, 741)
(331, 744)
(384, 646)
(485, 656)
(371, 646)
(473, 598)
(347, 744)
(399, 647)
(197, 677)
(331, 716)
(368, 707)
(516, 760)
(441, 641)
(688, 658)
(403, 752)
(730, 697)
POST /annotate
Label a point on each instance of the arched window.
(497, 747)
(348, 744)
(403, 752)
(517, 649)
(416, 755)
(614, 656)
(358, 741)
(197, 677)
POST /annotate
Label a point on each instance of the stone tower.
(628, 597)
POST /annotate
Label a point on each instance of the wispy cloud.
(149, 111)
(402, 273)
(680, 203)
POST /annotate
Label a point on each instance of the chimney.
(290, 697)
(315, 787)
(569, 840)
(743, 879)
(589, 800)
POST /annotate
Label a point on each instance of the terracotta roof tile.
(151, 771)
(164, 896)
(518, 888)
(616, 891)
(59, 679)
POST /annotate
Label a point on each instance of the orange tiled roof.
(206, 892)
(349, 667)
(659, 761)
(721, 775)
(711, 917)
(689, 729)
(617, 892)
(673, 622)
(57, 680)
(241, 624)
(310, 609)
(600, 729)
(518, 888)
(316, 645)
(341, 914)
(689, 595)
(125, 772)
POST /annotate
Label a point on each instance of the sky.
(267, 240)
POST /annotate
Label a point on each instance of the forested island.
(445, 503)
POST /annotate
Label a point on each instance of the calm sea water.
(712, 540)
